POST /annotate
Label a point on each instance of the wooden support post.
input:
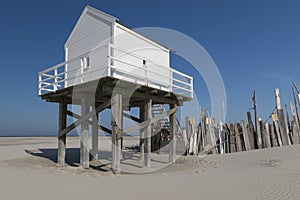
(267, 135)
(246, 136)
(148, 130)
(274, 142)
(296, 129)
(263, 133)
(257, 125)
(279, 140)
(62, 140)
(251, 133)
(281, 119)
(237, 139)
(84, 136)
(142, 133)
(222, 138)
(95, 135)
(116, 122)
(232, 139)
(172, 151)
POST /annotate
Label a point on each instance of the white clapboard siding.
(91, 32)
(155, 56)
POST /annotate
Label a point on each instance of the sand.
(28, 170)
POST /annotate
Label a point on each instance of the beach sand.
(28, 170)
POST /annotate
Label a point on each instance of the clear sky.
(255, 44)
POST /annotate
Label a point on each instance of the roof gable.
(92, 12)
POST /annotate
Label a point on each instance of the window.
(85, 62)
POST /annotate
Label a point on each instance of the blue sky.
(255, 45)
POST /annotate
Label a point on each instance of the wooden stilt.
(116, 121)
(142, 133)
(62, 140)
(95, 135)
(172, 152)
(84, 136)
(147, 138)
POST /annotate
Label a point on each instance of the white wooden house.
(99, 46)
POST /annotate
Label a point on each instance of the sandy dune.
(28, 170)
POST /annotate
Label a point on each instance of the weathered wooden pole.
(62, 124)
(257, 126)
(116, 122)
(95, 135)
(274, 142)
(245, 136)
(237, 139)
(172, 151)
(267, 135)
(251, 133)
(84, 136)
(281, 120)
(296, 128)
(295, 101)
(147, 138)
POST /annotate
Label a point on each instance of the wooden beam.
(296, 128)
(147, 129)
(145, 123)
(251, 133)
(246, 136)
(282, 127)
(62, 125)
(132, 117)
(84, 135)
(84, 118)
(103, 128)
(237, 139)
(116, 121)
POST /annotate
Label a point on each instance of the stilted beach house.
(109, 66)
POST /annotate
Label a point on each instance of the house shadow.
(72, 155)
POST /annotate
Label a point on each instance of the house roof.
(93, 11)
(109, 18)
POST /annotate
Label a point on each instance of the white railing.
(119, 65)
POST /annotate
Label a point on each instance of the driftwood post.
(116, 121)
(251, 133)
(237, 139)
(84, 136)
(62, 125)
(258, 132)
(274, 142)
(296, 129)
(246, 136)
(281, 120)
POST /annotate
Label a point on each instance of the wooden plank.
(263, 133)
(282, 127)
(172, 151)
(147, 139)
(267, 135)
(251, 132)
(62, 123)
(116, 121)
(296, 128)
(246, 136)
(84, 135)
(237, 138)
(277, 133)
(84, 118)
(274, 142)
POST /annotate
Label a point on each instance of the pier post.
(116, 122)
(84, 136)
(62, 140)
(172, 151)
(95, 135)
(147, 132)
(142, 133)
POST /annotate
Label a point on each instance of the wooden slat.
(246, 136)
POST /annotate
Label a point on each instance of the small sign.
(274, 117)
